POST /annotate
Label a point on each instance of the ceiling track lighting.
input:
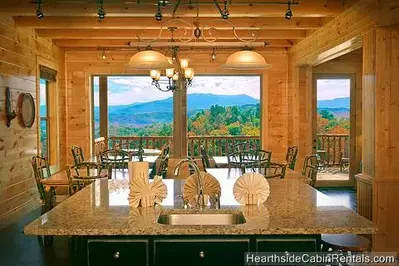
(101, 11)
(288, 13)
(158, 14)
(103, 55)
(39, 12)
(213, 55)
(224, 14)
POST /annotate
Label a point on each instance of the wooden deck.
(333, 173)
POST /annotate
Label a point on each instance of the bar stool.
(345, 242)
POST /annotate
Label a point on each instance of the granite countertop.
(293, 207)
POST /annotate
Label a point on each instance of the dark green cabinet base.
(187, 250)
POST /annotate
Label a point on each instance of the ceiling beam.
(165, 35)
(151, 23)
(134, 44)
(239, 8)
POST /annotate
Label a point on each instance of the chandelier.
(176, 69)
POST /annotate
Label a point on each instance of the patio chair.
(77, 154)
(276, 170)
(99, 147)
(116, 158)
(256, 159)
(310, 167)
(85, 173)
(291, 156)
(209, 161)
(344, 158)
(41, 171)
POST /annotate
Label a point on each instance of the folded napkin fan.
(211, 187)
(146, 194)
(251, 188)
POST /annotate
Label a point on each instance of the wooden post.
(180, 120)
(103, 95)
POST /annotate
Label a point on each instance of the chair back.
(165, 150)
(71, 187)
(99, 147)
(116, 158)
(77, 154)
(256, 158)
(276, 170)
(291, 156)
(310, 167)
(208, 161)
(241, 146)
(234, 159)
(160, 166)
(41, 170)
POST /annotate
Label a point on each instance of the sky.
(127, 90)
(328, 89)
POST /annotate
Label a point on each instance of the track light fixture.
(288, 13)
(213, 55)
(158, 14)
(225, 12)
(39, 12)
(104, 55)
(101, 11)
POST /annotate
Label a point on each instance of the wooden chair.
(99, 147)
(234, 160)
(50, 198)
(87, 172)
(276, 170)
(344, 158)
(256, 159)
(77, 154)
(116, 158)
(209, 161)
(291, 156)
(160, 166)
(310, 167)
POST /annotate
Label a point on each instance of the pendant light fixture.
(148, 60)
(246, 60)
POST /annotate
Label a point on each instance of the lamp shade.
(246, 60)
(147, 60)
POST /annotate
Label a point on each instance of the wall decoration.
(10, 114)
(27, 109)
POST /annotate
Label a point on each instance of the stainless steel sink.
(201, 219)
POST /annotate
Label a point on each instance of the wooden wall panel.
(20, 52)
(82, 64)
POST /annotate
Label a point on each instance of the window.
(130, 106)
(44, 119)
(224, 105)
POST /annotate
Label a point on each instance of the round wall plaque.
(27, 110)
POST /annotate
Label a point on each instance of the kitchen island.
(110, 232)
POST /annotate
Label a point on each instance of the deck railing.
(333, 147)
(215, 145)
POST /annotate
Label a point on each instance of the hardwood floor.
(16, 249)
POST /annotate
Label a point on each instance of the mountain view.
(333, 116)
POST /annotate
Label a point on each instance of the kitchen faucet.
(200, 187)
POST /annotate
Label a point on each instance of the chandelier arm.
(175, 8)
(166, 26)
(218, 7)
(255, 35)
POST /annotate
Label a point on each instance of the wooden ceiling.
(73, 24)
